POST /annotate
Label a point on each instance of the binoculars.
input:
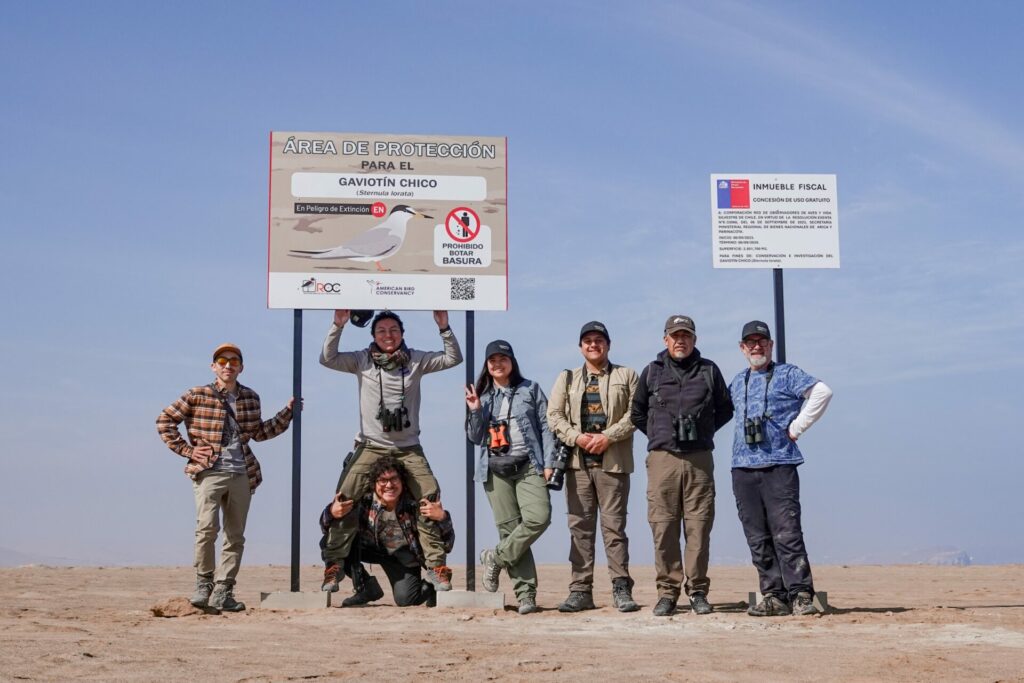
(393, 419)
(753, 430)
(562, 453)
(499, 437)
(685, 428)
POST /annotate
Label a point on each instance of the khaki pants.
(216, 493)
(522, 511)
(681, 493)
(355, 483)
(587, 492)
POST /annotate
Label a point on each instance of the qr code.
(463, 288)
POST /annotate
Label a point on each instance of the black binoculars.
(753, 430)
(562, 453)
(393, 419)
(685, 428)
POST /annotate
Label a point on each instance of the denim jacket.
(529, 410)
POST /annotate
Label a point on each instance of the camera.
(753, 430)
(393, 419)
(562, 453)
(499, 437)
(685, 428)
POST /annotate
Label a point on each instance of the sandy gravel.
(919, 623)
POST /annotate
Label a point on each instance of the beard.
(759, 361)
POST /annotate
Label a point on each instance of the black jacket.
(656, 420)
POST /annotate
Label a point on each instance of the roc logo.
(313, 286)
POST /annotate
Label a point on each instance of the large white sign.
(764, 220)
(405, 222)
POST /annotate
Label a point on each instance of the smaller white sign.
(763, 220)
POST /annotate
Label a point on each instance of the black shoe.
(803, 604)
(577, 602)
(370, 591)
(770, 606)
(622, 596)
(699, 603)
(665, 607)
(223, 599)
(332, 577)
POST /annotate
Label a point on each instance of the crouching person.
(387, 535)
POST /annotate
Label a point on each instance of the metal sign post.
(296, 445)
(470, 467)
(780, 318)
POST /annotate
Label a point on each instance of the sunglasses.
(228, 362)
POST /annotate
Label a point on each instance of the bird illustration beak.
(423, 215)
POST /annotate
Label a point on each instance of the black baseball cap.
(756, 327)
(675, 323)
(595, 326)
(499, 346)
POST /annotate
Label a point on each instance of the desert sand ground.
(920, 623)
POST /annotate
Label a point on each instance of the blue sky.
(133, 183)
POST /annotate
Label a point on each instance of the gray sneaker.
(577, 602)
(699, 603)
(201, 598)
(491, 570)
(665, 607)
(527, 604)
(803, 604)
(770, 606)
(223, 599)
(622, 596)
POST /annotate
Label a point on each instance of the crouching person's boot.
(367, 588)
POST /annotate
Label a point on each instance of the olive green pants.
(522, 511)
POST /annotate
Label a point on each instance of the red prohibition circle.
(378, 209)
(453, 216)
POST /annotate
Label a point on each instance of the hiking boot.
(223, 599)
(699, 603)
(577, 602)
(803, 604)
(622, 596)
(201, 597)
(492, 571)
(770, 606)
(665, 607)
(332, 577)
(440, 578)
(527, 604)
(369, 592)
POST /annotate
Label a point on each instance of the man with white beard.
(775, 403)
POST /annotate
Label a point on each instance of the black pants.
(403, 572)
(768, 501)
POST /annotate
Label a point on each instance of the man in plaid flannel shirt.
(220, 418)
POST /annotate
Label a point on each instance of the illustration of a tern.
(376, 244)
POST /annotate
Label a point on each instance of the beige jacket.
(618, 386)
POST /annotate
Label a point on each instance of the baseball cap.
(499, 346)
(676, 323)
(595, 326)
(756, 327)
(227, 347)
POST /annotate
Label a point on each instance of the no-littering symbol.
(462, 224)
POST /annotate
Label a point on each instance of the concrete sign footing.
(298, 600)
(471, 599)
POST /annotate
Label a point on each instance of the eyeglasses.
(754, 343)
(385, 482)
(228, 362)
